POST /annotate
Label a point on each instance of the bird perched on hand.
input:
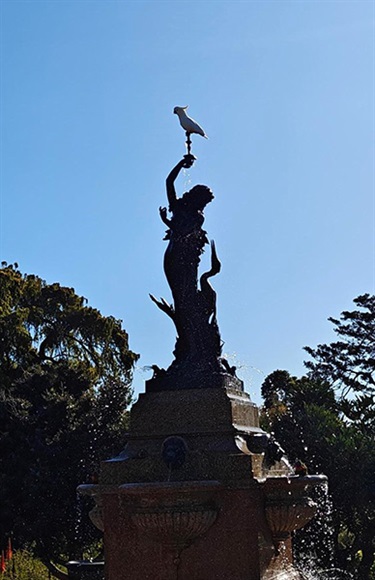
(187, 123)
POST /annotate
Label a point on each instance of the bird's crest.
(177, 109)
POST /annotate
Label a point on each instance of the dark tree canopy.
(65, 373)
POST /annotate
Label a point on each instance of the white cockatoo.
(188, 124)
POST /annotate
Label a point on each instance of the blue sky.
(285, 91)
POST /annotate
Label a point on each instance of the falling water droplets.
(78, 520)
(187, 178)
(314, 545)
(245, 371)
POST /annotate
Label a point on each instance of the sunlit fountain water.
(314, 545)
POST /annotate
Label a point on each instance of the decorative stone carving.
(176, 526)
(283, 518)
(96, 514)
(288, 506)
(173, 514)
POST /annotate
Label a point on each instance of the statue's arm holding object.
(186, 162)
(163, 215)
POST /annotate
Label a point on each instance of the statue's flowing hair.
(199, 196)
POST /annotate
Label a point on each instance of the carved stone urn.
(288, 506)
(173, 514)
(96, 513)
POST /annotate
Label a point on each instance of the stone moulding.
(96, 492)
(173, 513)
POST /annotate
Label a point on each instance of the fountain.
(200, 492)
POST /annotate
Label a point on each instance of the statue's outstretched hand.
(163, 213)
(188, 160)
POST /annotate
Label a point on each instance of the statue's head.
(198, 197)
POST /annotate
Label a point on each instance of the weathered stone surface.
(208, 421)
(192, 411)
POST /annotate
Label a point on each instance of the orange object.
(9, 551)
(2, 563)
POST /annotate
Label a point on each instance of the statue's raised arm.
(185, 163)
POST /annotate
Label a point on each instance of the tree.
(65, 375)
(326, 419)
(348, 364)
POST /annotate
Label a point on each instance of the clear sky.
(285, 91)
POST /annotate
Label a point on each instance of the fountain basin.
(83, 570)
(173, 513)
(288, 506)
(199, 516)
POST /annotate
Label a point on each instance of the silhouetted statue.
(198, 346)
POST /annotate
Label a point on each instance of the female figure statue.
(198, 345)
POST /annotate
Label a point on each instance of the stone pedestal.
(187, 500)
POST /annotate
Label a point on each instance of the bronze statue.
(198, 345)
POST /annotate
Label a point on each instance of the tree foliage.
(348, 364)
(65, 373)
(326, 419)
(24, 566)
